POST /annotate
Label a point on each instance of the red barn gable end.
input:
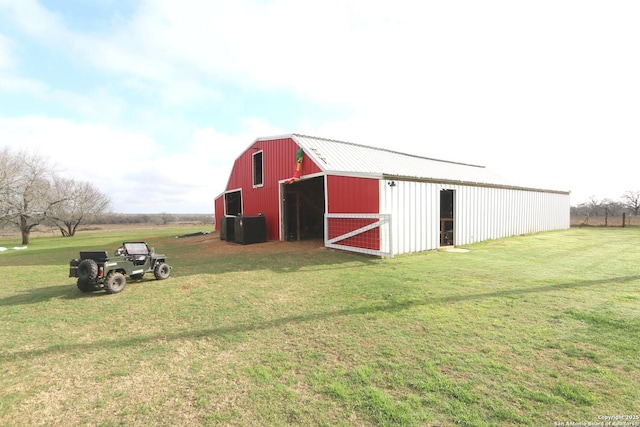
(377, 201)
(278, 164)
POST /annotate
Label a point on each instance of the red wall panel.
(348, 194)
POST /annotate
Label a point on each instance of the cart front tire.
(162, 271)
(115, 282)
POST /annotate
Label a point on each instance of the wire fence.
(605, 221)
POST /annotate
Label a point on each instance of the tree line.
(110, 218)
(32, 193)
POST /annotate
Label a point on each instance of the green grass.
(530, 330)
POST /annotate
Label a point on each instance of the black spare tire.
(85, 286)
(88, 270)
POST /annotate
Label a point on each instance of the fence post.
(624, 219)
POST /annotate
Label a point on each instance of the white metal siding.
(481, 213)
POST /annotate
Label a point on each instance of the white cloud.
(133, 169)
(12, 83)
(6, 56)
(527, 89)
(36, 20)
(365, 54)
(312, 48)
(472, 67)
(81, 150)
(188, 47)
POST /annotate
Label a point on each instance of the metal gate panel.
(367, 233)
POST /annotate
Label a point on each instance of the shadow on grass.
(67, 292)
(38, 295)
(303, 318)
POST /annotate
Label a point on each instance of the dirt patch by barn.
(212, 244)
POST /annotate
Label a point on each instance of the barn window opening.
(233, 203)
(258, 176)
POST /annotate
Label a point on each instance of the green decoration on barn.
(296, 174)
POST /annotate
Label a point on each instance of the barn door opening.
(303, 209)
(447, 219)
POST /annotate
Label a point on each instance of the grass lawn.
(539, 330)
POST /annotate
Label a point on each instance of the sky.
(153, 100)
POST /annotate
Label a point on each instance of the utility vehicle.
(95, 270)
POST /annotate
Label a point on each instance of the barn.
(377, 201)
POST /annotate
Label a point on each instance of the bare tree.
(8, 181)
(25, 197)
(77, 201)
(613, 207)
(595, 207)
(631, 200)
(591, 208)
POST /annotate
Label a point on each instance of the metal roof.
(354, 159)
